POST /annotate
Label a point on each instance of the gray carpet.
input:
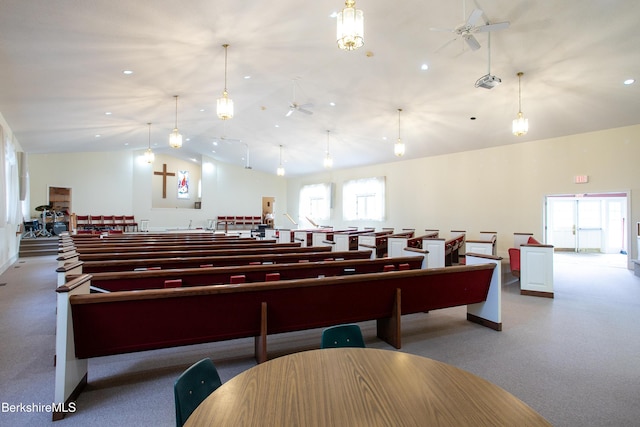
(575, 359)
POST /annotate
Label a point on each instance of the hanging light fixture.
(328, 161)
(225, 105)
(398, 147)
(350, 29)
(175, 139)
(280, 170)
(148, 155)
(520, 124)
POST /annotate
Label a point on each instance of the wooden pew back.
(156, 279)
(219, 260)
(121, 322)
(287, 248)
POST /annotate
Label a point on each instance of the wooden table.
(360, 387)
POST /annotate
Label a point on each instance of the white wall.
(9, 227)
(121, 183)
(498, 189)
(100, 182)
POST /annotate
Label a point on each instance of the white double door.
(587, 223)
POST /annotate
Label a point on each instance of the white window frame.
(364, 199)
(315, 202)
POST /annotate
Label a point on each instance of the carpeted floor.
(575, 358)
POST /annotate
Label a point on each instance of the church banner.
(183, 184)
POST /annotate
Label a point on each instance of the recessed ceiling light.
(202, 110)
(108, 113)
(277, 126)
(629, 81)
(127, 72)
(188, 139)
(98, 135)
(215, 143)
(424, 67)
(333, 104)
(247, 77)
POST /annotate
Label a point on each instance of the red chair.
(83, 223)
(96, 221)
(109, 221)
(130, 222)
(119, 222)
(514, 261)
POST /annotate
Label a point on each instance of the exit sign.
(581, 179)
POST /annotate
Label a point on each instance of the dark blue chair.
(342, 336)
(193, 386)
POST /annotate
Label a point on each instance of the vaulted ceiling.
(62, 82)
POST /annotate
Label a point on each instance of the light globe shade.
(175, 139)
(398, 148)
(280, 171)
(225, 107)
(520, 125)
(328, 162)
(149, 157)
(350, 27)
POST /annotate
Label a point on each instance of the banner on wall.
(183, 184)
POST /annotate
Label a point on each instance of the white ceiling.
(61, 65)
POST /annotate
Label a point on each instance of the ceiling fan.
(294, 106)
(223, 137)
(220, 139)
(470, 26)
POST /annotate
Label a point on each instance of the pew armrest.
(489, 312)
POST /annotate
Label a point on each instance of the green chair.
(193, 386)
(342, 336)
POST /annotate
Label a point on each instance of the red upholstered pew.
(214, 261)
(160, 247)
(187, 277)
(376, 241)
(514, 256)
(172, 243)
(93, 325)
(182, 252)
(347, 240)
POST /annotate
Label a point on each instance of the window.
(315, 201)
(364, 199)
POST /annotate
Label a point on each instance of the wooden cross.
(164, 174)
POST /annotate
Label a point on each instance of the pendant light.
(148, 155)
(280, 170)
(225, 104)
(350, 28)
(398, 147)
(328, 161)
(520, 124)
(175, 139)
